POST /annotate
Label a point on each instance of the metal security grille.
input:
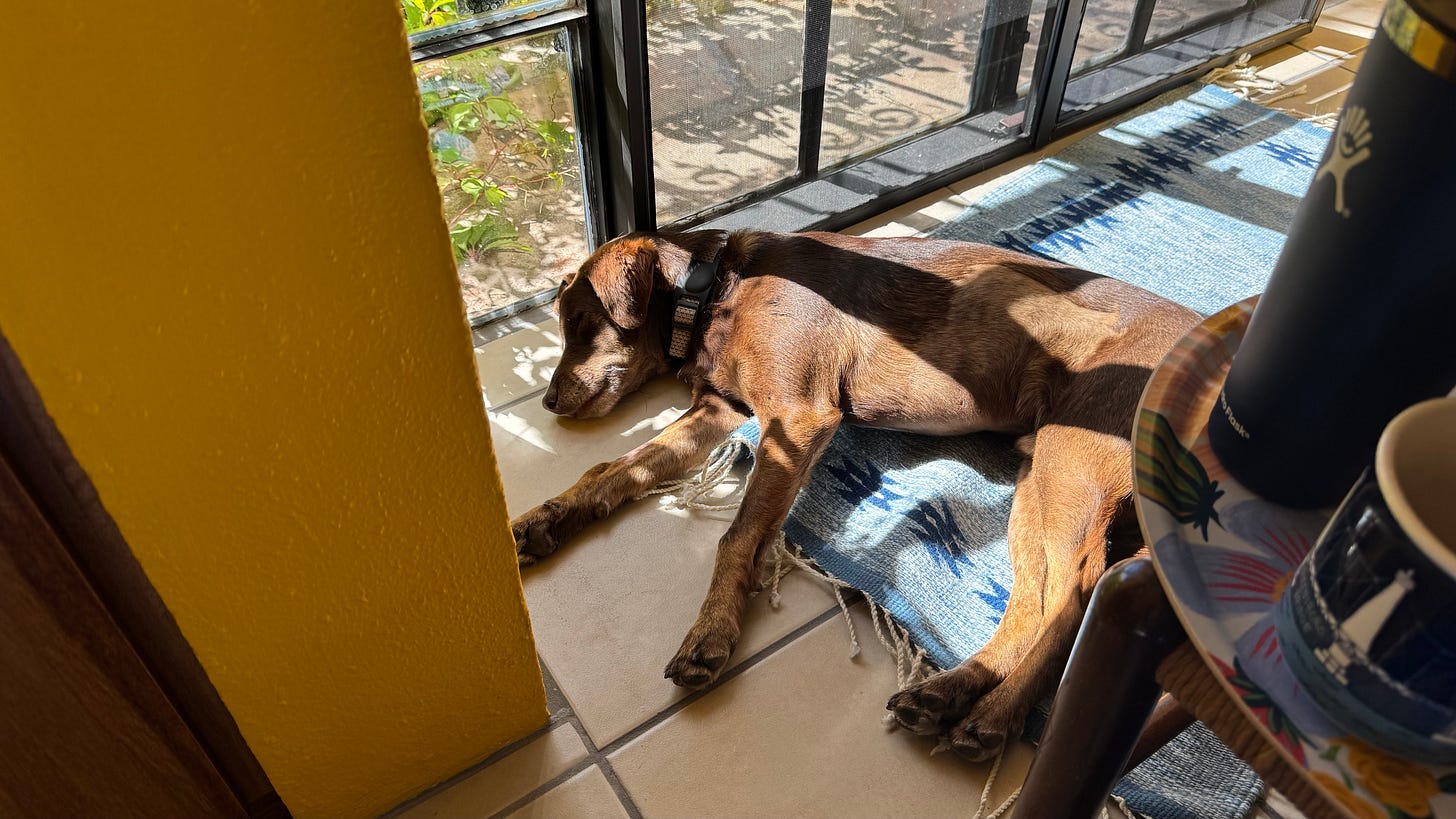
(902, 95)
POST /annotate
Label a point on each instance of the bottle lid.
(1423, 35)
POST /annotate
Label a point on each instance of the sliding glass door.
(557, 124)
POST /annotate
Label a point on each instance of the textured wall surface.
(223, 264)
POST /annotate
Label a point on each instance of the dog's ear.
(623, 278)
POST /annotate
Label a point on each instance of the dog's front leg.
(791, 444)
(604, 487)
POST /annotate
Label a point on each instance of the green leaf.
(472, 185)
(502, 111)
(495, 196)
(552, 132)
(450, 155)
(462, 117)
(485, 234)
(414, 18)
(1171, 475)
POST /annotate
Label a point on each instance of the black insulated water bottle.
(1359, 318)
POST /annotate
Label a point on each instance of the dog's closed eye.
(571, 327)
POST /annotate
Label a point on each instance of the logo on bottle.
(1352, 146)
(1228, 413)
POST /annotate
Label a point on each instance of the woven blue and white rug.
(1187, 197)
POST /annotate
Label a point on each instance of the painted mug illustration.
(1368, 622)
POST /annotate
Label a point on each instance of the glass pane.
(1181, 34)
(440, 16)
(895, 68)
(504, 142)
(1105, 24)
(1176, 16)
(724, 80)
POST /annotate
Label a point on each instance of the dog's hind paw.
(934, 705)
(918, 710)
(993, 722)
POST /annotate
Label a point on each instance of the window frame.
(534, 19)
(608, 62)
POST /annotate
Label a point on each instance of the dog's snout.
(549, 400)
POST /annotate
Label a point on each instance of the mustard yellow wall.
(222, 262)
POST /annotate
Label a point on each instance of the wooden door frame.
(34, 450)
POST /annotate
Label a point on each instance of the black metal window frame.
(607, 49)
(920, 163)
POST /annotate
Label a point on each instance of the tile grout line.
(598, 757)
(732, 673)
(554, 720)
(445, 785)
(545, 787)
(605, 766)
(520, 399)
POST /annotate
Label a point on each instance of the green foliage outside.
(500, 131)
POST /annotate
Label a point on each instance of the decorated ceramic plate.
(1225, 555)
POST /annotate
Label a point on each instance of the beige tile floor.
(794, 727)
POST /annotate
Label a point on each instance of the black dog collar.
(688, 300)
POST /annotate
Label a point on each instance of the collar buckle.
(688, 300)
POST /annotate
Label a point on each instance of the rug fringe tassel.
(1243, 81)
(688, 493)
(1123, 806)
(911, 664)
(986, 792)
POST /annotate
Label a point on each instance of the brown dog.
(808, 331)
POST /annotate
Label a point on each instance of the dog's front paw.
(703, 656)
(536, 532)
(934, 705)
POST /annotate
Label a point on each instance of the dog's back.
(935, 336)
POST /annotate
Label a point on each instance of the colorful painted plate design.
(1225, 555)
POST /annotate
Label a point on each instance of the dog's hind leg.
(604, 487)
(791, 444)
(935, 704)
(1083, 480)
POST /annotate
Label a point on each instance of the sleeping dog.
(810, 331)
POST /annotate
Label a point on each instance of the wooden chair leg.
(1105, 697)
(1169, 719)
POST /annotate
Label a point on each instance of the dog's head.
(611, 329)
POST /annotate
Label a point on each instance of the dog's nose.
(549, 401)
